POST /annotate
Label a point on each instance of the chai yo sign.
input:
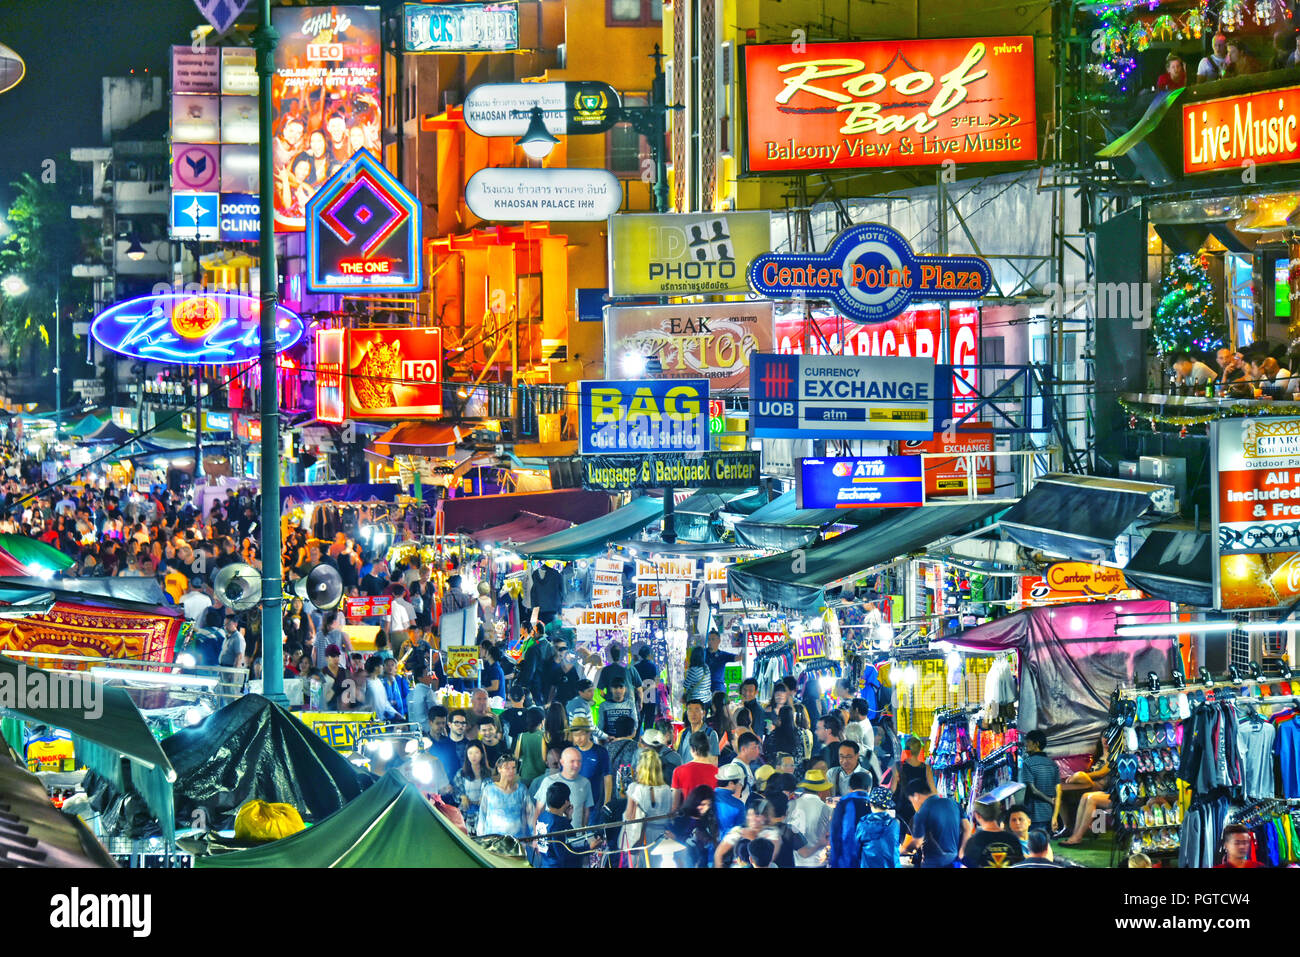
(870, 274)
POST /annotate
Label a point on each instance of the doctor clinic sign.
(889, 103)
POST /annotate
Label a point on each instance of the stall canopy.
(525, 527)
(253, 749)
(1078, 516)
(106, 433)
(781, 524)
(390, 825)
(106, 727)
(1176, 565)
(416, 438)
(33, 833)
(592, 538)
(1071, 661)
(135, 593)
(34, 553)
(798, 582)
(87, 425)
(470, 513)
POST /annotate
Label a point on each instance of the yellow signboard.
(339, 729)
(462, 662)
(674, 254)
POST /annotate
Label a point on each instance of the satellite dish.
(239, 586)
(324, 587)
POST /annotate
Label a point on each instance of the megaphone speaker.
(239, 586)
(324, 587)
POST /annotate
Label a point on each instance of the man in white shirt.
(196, 601)
(810, 816)
(1212, 66)
(401, 616)
(858, 711)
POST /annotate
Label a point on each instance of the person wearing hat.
(595, 760)
(877, 833)
(659, 739)
(762, 776)
(990, 845)
(729, 804)
(810, 815)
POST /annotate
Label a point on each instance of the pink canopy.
(524, 528)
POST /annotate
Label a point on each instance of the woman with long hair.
(696, 826)
(696, 685)
(530, 746)
(719, 717)
(783, 738)
(468, 784)
(648, 796)
(555, 726)
(504, 807)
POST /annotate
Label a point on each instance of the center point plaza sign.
(870, 274)
(210, 328)
(650, 415)
(848, 397)
(889, 103)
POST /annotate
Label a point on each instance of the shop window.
(633, 13)
(993, 350)
(625, 148)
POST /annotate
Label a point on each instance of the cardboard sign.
(339, 729)
(666, 568)
(596, 617)
(608, 571)
(811, 645)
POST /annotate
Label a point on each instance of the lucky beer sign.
(889, 103)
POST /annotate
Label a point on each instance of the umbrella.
(34, 553)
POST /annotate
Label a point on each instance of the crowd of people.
(1228, 57)
(1257, 371)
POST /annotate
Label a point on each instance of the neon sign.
(212, 328)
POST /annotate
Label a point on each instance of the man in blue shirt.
(728, 806)
(1040, 776)
(717, 662)
(440, 745)
(561, 851)
(937, 826)
(595, 761)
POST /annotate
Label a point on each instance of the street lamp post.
(264, 40)
(651, 121)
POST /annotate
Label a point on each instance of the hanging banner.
(843, 397)
(460, 27)
(505, 109)
(645, 415)
(325, 99)
(1256, 511)
(363, 232)
(947, 477)
(608, 571)
(883, 481)
(711, 341)
(870, 274)
(888, 103)
(615, 473)
(675, 254)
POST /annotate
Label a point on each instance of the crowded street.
(623, 434)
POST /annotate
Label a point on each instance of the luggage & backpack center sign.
(870, 274)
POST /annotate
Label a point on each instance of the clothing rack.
(1258, 812)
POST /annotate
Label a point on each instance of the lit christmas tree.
(1186, 316)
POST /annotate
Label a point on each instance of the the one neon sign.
(211, 328)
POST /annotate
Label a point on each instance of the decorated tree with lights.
(1186, 316)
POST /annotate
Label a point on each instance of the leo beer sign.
(944, 477)
(889, 103)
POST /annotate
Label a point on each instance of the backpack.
(845, 850)
(878, 841)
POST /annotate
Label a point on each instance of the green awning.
(1144, 127)
(106, 727)
(389, 825)
(89, 424)
(592, 538)
(34, 553)
(798, 582)
(781, 524)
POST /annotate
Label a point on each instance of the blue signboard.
(848, 397)
(883, 481)
(208, 328)
(645, 415)
(194, 216)
(240, 217)
(871, 274)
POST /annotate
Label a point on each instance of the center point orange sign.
(1223, 134)
(889, 103)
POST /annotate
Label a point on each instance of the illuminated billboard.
(392, 373)
(325, 99)
(210, 328)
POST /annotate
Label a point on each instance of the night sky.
(68, 45)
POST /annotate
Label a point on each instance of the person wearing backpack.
(845, 850)
(877, 833)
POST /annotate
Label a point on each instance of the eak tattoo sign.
(870, 274)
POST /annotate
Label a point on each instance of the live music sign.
(1260, 127)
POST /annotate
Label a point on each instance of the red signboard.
(914, 333)
(329, 375)
(889, 103)
(371, 607)
(393, 373)
(758, 640)
(948, 476)
(1259, 127)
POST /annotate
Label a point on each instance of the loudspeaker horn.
(324, 587)
(239, 586)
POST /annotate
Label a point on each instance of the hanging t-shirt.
(992, 849)
(1255, 737)
(1287, 747)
